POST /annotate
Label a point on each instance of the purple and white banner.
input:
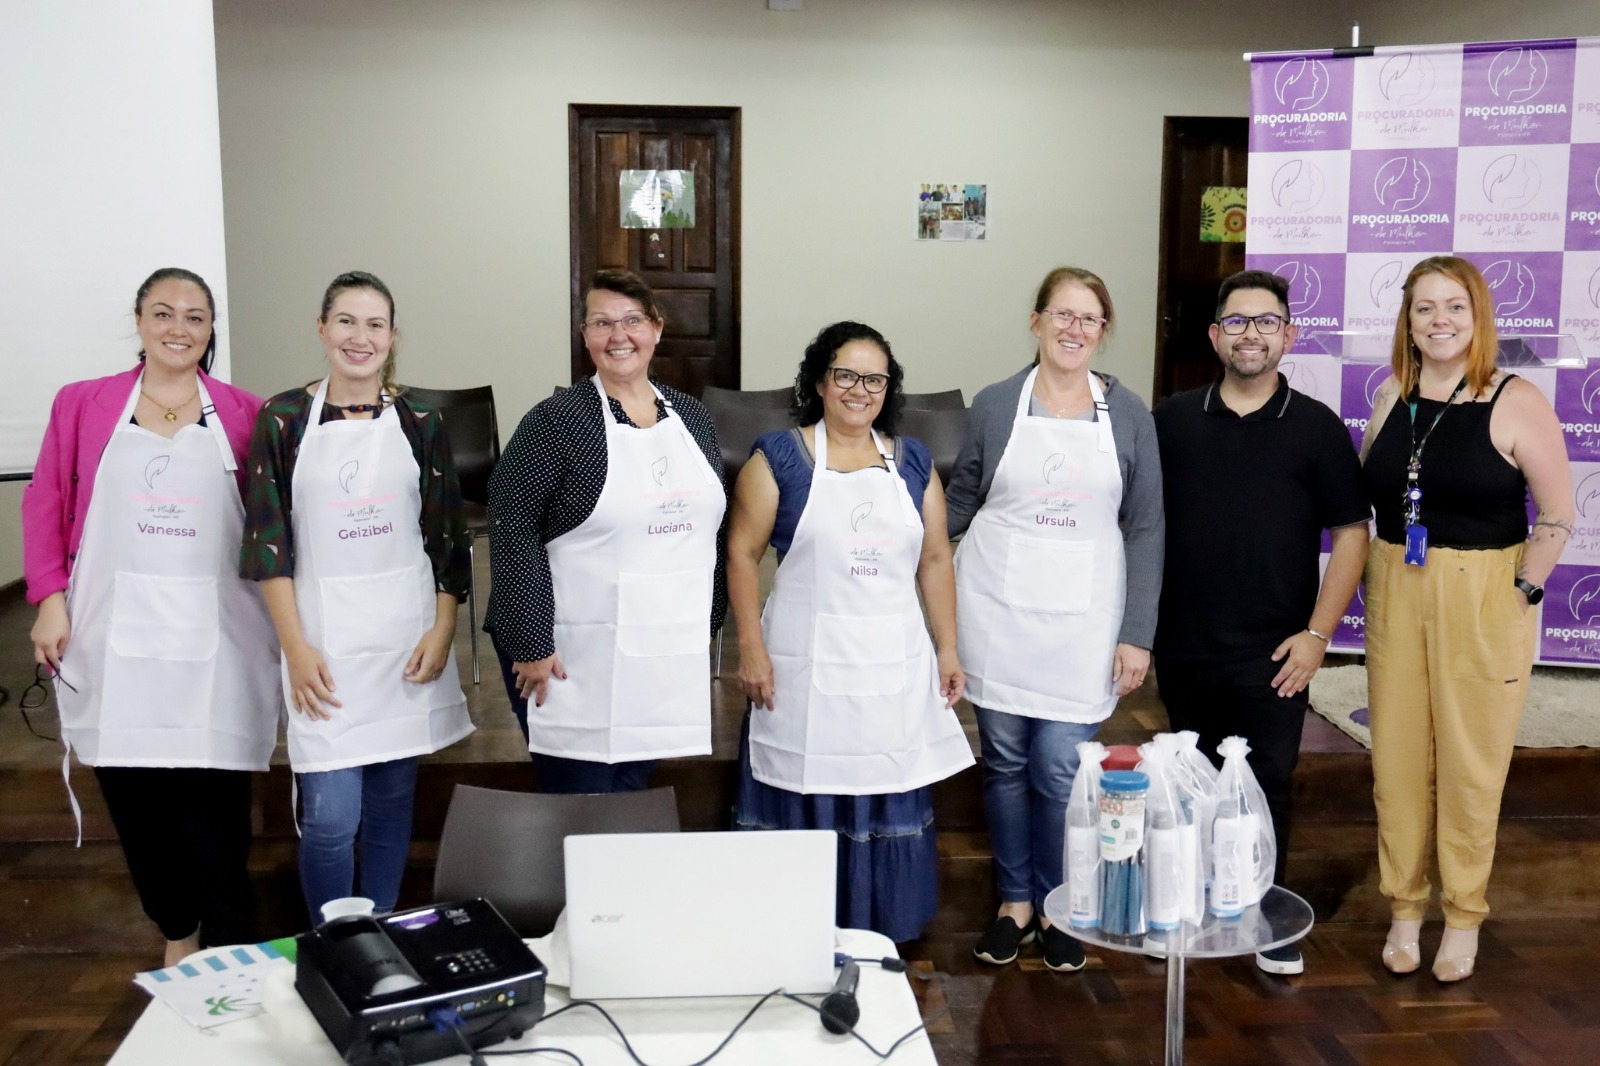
(1361, 165)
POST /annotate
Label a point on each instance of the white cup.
(347, 907)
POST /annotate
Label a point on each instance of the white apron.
(172, 653)
(365, 592)
(855, 680)
(633, 587)
(1041, 575)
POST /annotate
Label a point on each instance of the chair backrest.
(738, 426)
(949, 400)
(473, 431)
(943, 431)
(507, 846)
(766, 398)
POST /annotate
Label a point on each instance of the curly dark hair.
(807, 408)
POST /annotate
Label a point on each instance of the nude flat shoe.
(1448, 971)
(1403, 958)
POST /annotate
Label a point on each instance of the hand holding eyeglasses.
(51, 631)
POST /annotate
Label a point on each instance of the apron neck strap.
(908, 507)
(219, 432)
(208, 411)
(1102, 410)
(1102, 414)
(673, 417)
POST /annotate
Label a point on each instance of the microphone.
(839, 1009)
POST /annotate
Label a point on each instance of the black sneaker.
(999, 943)
(1285, 961)
(1062, 953)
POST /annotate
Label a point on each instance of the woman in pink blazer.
(164, 660)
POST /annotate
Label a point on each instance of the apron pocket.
(169, 618)
(370, 614)
(855, 655)
(664, 614)
(1049, 576)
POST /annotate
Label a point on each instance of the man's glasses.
(36, 695)
(846, 379)
(1090, 324)
(1234, 325)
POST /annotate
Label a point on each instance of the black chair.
(943, 431)
(949, 400)
(738, 426)
(474, 434)
(506, 846)
(763, 398)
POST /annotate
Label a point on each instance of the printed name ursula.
(366, 531)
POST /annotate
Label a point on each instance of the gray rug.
(1563, 709)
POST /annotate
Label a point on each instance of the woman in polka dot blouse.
(607, 576)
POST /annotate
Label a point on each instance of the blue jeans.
(1028, 767)
(372, 801)
(555, 774)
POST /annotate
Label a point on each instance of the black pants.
(186, 835)
(1236, 698)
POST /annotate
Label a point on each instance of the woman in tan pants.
(1449, 583)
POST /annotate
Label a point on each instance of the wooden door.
(1196, 153)
(694, 271)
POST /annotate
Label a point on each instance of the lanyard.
(1413, 491)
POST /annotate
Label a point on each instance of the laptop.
(654, 915)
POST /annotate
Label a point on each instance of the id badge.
(1417, 544)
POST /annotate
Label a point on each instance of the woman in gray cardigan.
(1058, 492)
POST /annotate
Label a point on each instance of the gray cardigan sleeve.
(1140, 516)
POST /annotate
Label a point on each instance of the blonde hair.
(1406, 361)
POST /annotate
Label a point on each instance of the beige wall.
(426, 141)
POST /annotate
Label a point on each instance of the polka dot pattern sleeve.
(532, 470)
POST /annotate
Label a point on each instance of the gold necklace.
(171, 412)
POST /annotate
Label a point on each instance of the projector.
(389, 989)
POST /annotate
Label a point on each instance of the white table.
(665, 1032)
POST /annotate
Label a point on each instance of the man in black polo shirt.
(1254, 471)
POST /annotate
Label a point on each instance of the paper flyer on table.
(218, 986)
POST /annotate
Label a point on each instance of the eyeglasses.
(846, 380)
(603, 326)
(1266, 325)
(1090, 324)
(35, 695)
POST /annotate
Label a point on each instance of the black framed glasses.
(846, 379)
(1266, 325)
(37, 694)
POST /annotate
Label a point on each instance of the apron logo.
(155, 468)
(658, 470)
(859, 515)
(347, 474)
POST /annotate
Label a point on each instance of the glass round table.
(1280, 918)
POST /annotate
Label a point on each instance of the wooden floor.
(72, 934)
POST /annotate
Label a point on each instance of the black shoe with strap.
(999, 943)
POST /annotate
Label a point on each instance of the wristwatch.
(1535, 593)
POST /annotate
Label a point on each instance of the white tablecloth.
(665, 1032)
